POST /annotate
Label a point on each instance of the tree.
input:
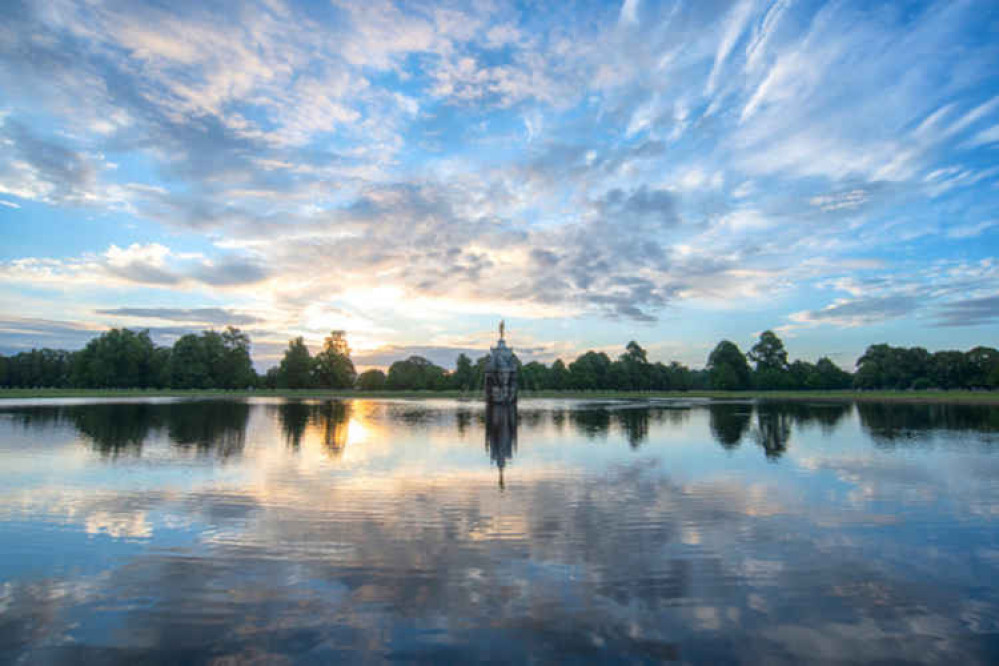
(371, 380)
(190, 366)
(119, 358)
(295, 370)
(463, 377)
(770, 358)
(333, 367)
(236, 366)
(949, 370)
(635, 369)
(886, 367)
(559, 376)
(983, 365)
(769, 352)
(534, 376)
(872, 367)
(272, 378)
(679, 377)
(590, 371)
(415, 374)
(337, 341)
(727, 368)
(828, 376)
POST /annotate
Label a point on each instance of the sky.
(674, 173)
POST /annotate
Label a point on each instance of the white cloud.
(735, 24)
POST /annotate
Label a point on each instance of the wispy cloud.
(397, 167)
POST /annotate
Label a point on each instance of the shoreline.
(912, 397)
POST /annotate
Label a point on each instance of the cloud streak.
(366, 165)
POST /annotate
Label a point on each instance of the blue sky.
(675, 173)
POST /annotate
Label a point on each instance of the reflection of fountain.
(501, 435)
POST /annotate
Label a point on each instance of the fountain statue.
(501, 373)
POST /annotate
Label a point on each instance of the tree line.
(122, 358)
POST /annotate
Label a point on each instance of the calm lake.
(366, 531)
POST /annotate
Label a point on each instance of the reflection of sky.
(383, 529)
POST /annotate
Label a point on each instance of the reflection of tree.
(634, 422)
(115, 428)
(558, 419)
(773, 429)
(463, 419)
(330, 418)
(591, 422)
(38, 417)
(294, 418)
(501, 435)
(729, 422)
(890, 424)
(217, 426)
(826, 415)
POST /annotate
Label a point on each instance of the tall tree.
(590, 371)
(463, 377)
(295, 370)
(727, 367)
(190, 364)
(770, 359)
(636, 369)
(236, 369)
(769, 353)
(559, 376)
(333, 367)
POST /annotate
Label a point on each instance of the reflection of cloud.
(119, 525)
(403, 548)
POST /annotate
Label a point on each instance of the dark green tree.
(827, 376)
(770, 359)
(295, 370)
(415, 374)
(463, 377)
(983, 365)
(119, 358)
(727, 368)
(371, 380)
(590, 371)
(190, 365)
(635, 373)
(534, 376)
(559, 376)
(236, 365)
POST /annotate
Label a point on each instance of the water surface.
(372, 531)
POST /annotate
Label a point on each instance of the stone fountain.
(501, 373)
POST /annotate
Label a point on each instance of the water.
(269, 531)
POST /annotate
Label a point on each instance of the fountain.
(501, 373)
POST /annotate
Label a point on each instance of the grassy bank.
(962, 397)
